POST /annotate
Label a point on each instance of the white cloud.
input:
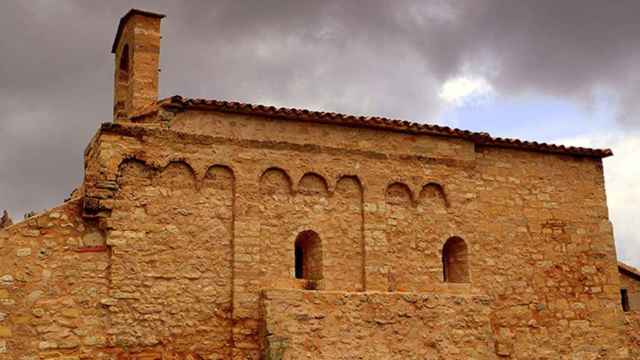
(463, 89)
(622, 178)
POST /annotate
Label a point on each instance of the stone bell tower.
(137, 57)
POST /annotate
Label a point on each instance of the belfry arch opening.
(122, 83)
(455, 261)
(308, 256)
(123, 74)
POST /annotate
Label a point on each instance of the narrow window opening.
(624, 298)
(455, 261)
(308, 256)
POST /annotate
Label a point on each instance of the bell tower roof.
(125, 19)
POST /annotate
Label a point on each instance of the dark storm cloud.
(366, 57)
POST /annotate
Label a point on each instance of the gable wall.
(54, 273)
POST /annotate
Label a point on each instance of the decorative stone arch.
(219, 176)
(275, 181)
(132, 168)
(398, 193)
(349, 185)
(312, 184)
(433, 194)
(455, 261)
(308, 256)
(177, 175)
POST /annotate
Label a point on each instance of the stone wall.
(171, 265)
(342, 325)
(53, 275)
(414, 226)
(550, 264)
(632, 333)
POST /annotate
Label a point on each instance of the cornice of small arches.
(156, 163)
(276, 180)
(398, 192)
(171, 167)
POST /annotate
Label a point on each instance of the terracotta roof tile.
(481, 138)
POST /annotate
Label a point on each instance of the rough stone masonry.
(217, 230)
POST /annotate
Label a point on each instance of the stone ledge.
(455, 290)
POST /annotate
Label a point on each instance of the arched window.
(455, 261)
(308, 256)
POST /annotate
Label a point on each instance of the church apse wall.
(197, 227)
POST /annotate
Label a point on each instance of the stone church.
(208, 229)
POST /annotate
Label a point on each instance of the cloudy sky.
(546, 70)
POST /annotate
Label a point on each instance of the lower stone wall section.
(302, 324)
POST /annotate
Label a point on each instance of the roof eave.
(629, 270)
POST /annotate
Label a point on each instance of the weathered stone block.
(23, 252)
(5, 331)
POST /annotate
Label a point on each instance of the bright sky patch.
(460, 90)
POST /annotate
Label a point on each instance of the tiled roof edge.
(622, 267)
(481, 138)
